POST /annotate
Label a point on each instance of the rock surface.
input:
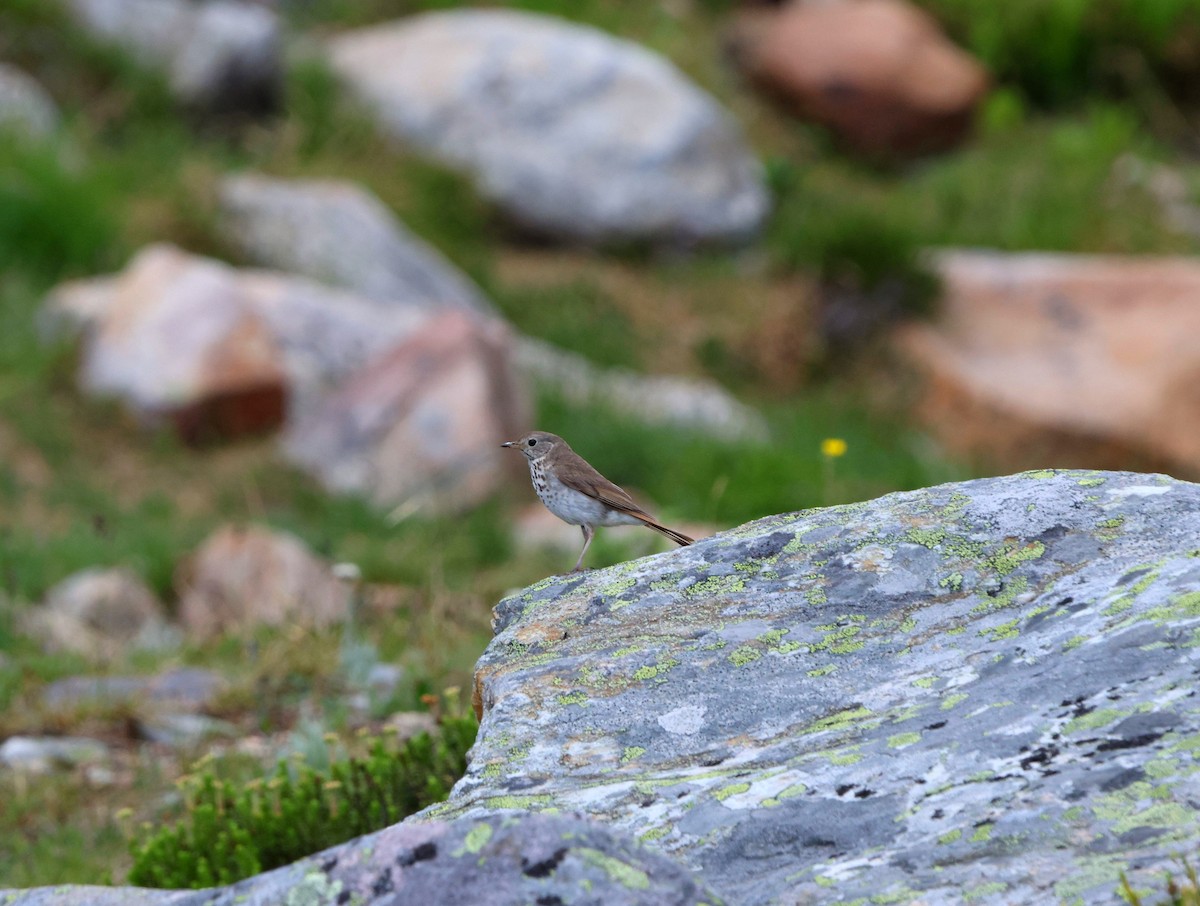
(1067, 359)
(43, 754)
(217, 54)
(217, 349)
(101, 614)
(656, 399)
(879, 73)
(980, 691)
(241, 578)
(184, 689)
(26, 108)
(509, 860)
(573, 133)
(339, 233)
(420, 429)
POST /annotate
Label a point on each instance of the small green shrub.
(1060, 51)
(1186, 893)
(231, 833)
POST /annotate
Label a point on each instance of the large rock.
(242, 578)
(183, 689)
(573, 133)
(1070, 359)
(217, 54)
(339, 233)
(101, 614)
(980, 691)
(419, 429)
(499, 861)
(26, 108)
(879, 73)
(687, 403)
(216, 349)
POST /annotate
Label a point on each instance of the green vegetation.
(232, 831)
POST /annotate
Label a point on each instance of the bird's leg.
(588, 534)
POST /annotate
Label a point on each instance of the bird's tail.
(678, 537)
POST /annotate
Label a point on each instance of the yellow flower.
(833, 447)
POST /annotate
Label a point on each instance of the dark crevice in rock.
(545, 867)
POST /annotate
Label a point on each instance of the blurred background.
(276, 279)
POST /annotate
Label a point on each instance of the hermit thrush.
(579, 495)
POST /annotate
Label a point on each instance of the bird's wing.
(599, 488)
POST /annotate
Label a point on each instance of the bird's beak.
(508, 443)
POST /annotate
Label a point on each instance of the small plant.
(229, 833)
(1179, 894)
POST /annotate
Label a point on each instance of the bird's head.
(536, 444)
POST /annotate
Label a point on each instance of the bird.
(579, 495)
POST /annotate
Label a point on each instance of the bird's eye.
(533, 441)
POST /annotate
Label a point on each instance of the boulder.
(339, 233)
(44, 754)
(217, 54)
(101, 614)
(419, 429)
(183, 689)
(26, 108)
(977, 691)
(499, 861)
(217, 350)
(1069, 359)
(879, 73)
(573, 133)
(243, 578)
(687, 403)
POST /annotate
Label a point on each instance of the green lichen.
(1101, 717)
(1091, 482)
(632, 752)
(838, 640)
(953, 581)
(821, 671)
(657, 670)
(716, 585)
(725, 792)
(791, 792)
(1072, 643)
(475, 840)
(840, 721)
(929, 538)
(315, 889)
(844, 757)
(1013, 556)
(1039, 474)
(984, 890)
(655, 833)
(573, 698)
(924, 682)
(529, 803)
(908, 625)
(1003, 631)
(982, 834)
(900, 740)
(953, 699)
(628, 876)
(744, 655)
(951, 836)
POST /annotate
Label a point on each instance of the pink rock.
(419, 429)
(178, 340)
(217, 350)
(241, 578)
(1052, 359)
(879, 73)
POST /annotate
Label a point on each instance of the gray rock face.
(572, 132)
(982, 691)
(339, 233)
(499, 861)
(25, 106)
(216, 53)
